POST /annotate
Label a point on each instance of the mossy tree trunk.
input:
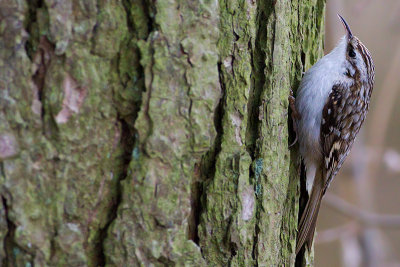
(142, 132)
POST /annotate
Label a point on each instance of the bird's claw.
(292, 104)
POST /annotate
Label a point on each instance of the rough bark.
(142, 132)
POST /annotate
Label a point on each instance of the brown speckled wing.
(342, 116)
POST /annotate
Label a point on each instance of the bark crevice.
(205, 171)
(129, 140)
(257, 108)
(253, 131)
(43, 57)
(40, 50)
(11, 248)
(31, 27)
(300, 257)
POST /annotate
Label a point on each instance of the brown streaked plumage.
(339, 119)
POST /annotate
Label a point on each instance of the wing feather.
(341, 121)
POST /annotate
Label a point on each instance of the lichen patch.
(8, 146)
(247, 203)
(237, 122)
(74, 96)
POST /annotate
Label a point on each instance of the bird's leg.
(295, 115)
(292, 101)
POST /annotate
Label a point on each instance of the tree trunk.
(151, 133)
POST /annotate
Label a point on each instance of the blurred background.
(359, 222)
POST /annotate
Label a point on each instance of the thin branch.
(336, 233)
(362, 216)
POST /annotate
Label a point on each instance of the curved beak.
(346, 27)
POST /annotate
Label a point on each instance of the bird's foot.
(292, 105)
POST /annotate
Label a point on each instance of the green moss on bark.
(137, 132)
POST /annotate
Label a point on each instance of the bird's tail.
(308, 219)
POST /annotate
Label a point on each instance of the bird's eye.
(352, 54)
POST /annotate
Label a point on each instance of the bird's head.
(357, 55)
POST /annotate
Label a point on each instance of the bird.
(331, 105)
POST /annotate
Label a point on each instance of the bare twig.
(335, 233)
(362, 216)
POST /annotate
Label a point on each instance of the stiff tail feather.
(308, 220)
